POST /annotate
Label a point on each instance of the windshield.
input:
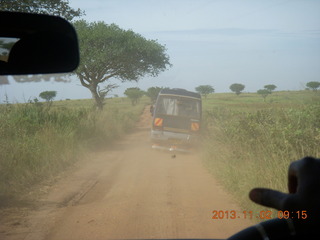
(91, 154)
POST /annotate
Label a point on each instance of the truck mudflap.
(172, 148)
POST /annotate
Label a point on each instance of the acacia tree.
(48, 96)
(264, 93)
(237, 88)
(51, 7)
(313, 85)
(107, 51)
(134, 94)
(153, 92)
(205, 90)
(270, 87)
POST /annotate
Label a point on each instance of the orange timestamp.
(261, 215)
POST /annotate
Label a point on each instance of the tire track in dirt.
(131, 191)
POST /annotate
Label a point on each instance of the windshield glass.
(91, 154)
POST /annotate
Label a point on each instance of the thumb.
(268, 197)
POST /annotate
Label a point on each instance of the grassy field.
(250, 143)
(38, 142)
(247, 142)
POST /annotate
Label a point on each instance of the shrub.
(37, 142)
(258, 146)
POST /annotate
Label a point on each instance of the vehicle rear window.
(178, 106)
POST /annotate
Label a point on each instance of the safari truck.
(176, 120)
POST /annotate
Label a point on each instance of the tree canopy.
(313, 85)
(205, 90)
(48, 95)
(270, 87)
(237, 88)
(134, 94)
(153, 92)
(107, 51)
(52, 7)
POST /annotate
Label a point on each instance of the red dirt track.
(129, 191)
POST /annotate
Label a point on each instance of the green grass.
(36, 142)
(250, 143)
(252, 101)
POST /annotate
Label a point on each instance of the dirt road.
(129, 191)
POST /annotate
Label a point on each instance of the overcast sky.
(215, 42)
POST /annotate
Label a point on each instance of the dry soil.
(127, 191)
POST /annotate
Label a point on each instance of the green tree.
(134, 94)
(153, 92)
(48, 96)
(205, 90)
(270, 87)
(237, 88)
(264, 93)
(313, 85)
(107, 51)
(51, 7)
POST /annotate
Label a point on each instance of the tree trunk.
(96, 97)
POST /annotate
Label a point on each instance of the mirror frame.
(47, 44)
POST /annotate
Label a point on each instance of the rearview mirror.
(36, 44)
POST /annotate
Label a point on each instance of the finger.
(268, 197)
(303, 173)
(292, 180)
(294, 175)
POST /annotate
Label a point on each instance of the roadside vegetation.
(250, 142)
(38, 141)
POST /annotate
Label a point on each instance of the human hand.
(304, 192)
